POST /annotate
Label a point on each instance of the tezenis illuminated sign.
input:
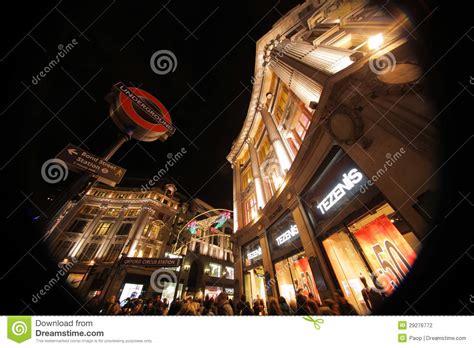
(253, 254)
(349, 180)
(287, 235)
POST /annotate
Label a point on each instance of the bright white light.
(375, 41)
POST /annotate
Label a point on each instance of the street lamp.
(375, 41)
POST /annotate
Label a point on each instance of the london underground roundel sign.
(135, 109)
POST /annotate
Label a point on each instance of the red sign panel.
(387, 252)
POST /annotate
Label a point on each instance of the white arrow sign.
(72, 151)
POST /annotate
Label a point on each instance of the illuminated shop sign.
(287, 235)
(253, 254)
(229, 291)
(349, 180)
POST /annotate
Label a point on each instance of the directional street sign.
(79, 159)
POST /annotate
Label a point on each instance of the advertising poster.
(387, 252)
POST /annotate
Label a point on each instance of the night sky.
(207, 96)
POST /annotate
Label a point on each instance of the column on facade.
(304, 87)
(237, 193)
(276, 140)
(270, 281)
(256, 173)
(138, 230)
(313, 250)
(88, 232)
(111, 235)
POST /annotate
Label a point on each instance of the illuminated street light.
(375, 41)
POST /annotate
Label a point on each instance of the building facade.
(334, 168)
(109, 239)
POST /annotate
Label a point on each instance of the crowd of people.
(223, 305)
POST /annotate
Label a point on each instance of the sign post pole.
(89, 180)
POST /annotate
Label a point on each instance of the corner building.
(93, 236)
(334, 167)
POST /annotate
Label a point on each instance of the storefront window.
(372, 248)
(293, 274)
(130, 291)
(254, 274)
(252, 253)
(385, 248)
(348, 267)
(292, 268)
(284, 233)
(212, 291)
(254, 282)
(215, 270)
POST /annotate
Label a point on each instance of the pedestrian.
(372, 297)
(256, 307)
(345, 307)
(302, 305)
(175, 307)
(274, 307)
(223, 306)
(112, 306)
(293, 306)
(243, 307)
(312, 305)
(285, 308)
(328, 308)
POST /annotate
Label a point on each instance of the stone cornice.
(280, 28)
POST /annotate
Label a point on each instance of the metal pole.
(177, 281)
(89, 178)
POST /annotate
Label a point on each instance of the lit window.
(152, 231)
(229, 272)
(246, 177)
(89, 210)
(112, 212)
(100, 193)
(215, 270)
(103, 228)
(132, 212)
(250, 209)
(297, 134)
(264, 148)
(280, 106)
